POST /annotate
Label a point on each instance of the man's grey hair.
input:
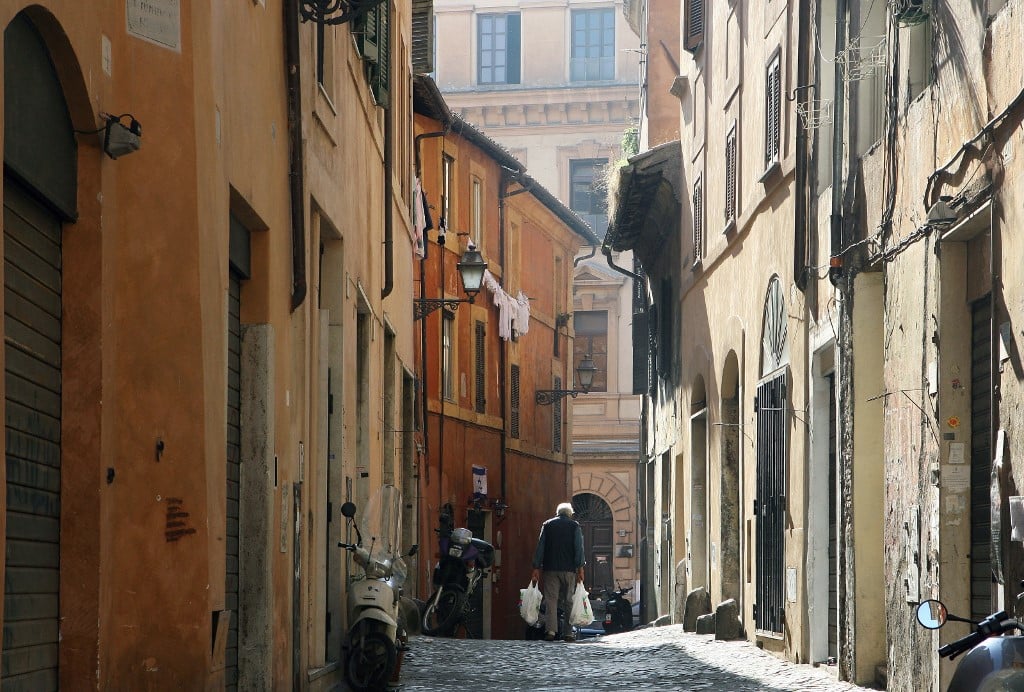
(564, 510)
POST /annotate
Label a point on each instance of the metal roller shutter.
(32, 346)
(234, 455)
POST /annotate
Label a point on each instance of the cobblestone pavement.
(662, 658)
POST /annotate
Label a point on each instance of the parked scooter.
(375, 635)
(992, 662)
(462, 564)
(618, 612)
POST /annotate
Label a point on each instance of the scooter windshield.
(381, 524)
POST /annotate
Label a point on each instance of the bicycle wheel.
(371, 659)
(443, 611)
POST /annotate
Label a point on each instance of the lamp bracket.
(334, 12)
(546, 397)
(424, 306)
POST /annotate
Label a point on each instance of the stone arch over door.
(53, 367)
(615, 495)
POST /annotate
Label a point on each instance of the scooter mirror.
(414, 549)
(932, 614)
(348, 509)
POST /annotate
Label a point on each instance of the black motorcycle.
(462, 565)
(618, 611)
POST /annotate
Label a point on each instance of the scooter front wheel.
(443, 610)
(371, 659)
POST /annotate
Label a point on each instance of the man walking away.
(560, 556)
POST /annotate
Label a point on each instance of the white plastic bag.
(582, 613)
(529, 603)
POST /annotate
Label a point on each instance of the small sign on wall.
(156, 21)
(479, 482)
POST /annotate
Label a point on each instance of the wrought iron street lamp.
(585, 372)
(471, 269)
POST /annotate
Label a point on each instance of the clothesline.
(513, 311)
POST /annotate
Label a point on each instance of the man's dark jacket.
(561, 546)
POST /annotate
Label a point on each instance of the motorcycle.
(618, 612)
(992, 662)
(375, 636)
(462, 565)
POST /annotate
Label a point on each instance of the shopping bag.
(529, 603)
(582, 613)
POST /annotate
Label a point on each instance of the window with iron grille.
(698, 220)
(592, 56)
(770, 504)
(641, 352)
(773, 113)
(556, 421)
(481, 368)
(514, 403)
(694, 25)
(730, 176)
(498, 48)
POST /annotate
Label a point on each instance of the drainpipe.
(295, 163)
(503, 345)
(593, 251)
(389, 206)
(607, 252)
(800, 249)
(835, 269)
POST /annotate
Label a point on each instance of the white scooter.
(375, 635)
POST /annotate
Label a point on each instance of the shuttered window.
(698, 220)
(694, 25)
(374, 39)
(514, 403)
(556, 421)
(498, 48)
(422, 36)
(480, 369)
(730, 176)
(773, 113)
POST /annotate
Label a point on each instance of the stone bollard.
(679, 593)
(706, 624)
(727, 620)
(698, 602)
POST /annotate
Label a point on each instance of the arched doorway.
(595, 517)
(40, 195)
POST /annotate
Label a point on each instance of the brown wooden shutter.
(481, 367)
(694, 25)
(730, 175)
(556, 420)
(698, 220)
(514, 403)
(773, 113)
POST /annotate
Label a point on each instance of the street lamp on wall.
(471, 269)
(585, 372)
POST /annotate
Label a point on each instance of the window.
(773, 113)
(498, 48)
(447, 167)
(480, 371)
(586, 192)
(514, 403)
(477, 231)
(373, 34)
(730, 177)
(447, 342)
(592, 56)
(694, 25)
(592, 339)
(325, 68)
(698, 220)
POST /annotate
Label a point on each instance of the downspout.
(607, 252)
(593, 251)
(503, 345)
(839, 105)
(800, 245)
(389, 205)
(295, 163)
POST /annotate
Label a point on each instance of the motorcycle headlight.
(376, 569)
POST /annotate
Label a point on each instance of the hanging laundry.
(522, 314)
(419, 219)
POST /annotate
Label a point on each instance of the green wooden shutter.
(374, 40)
(514, 51)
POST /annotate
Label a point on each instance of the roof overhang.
(647, 202)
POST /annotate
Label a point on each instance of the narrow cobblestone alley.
(663, 658)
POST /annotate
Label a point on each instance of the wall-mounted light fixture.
(471, 269)
(118, 139)
(585, 372)
(496, 505)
